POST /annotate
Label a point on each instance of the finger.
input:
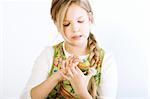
(78, 70)
(67, 61)
(75, 56)
(91, 72)
(71, 59)
(63, 65)
(73, 69)
(76, 60)
(64, 76)
(69, 72)
(89, 75)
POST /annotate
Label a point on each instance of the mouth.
(76, 37)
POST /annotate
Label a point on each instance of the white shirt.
(43, 63)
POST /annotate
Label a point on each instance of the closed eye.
(80, 21)
(66, 24)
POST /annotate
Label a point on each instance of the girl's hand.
(78, 80)
(58, 75)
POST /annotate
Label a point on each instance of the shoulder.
(45, 55)
(108, 57)
(47, 51)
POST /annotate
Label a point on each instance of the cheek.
(85, 29)
(67, 32)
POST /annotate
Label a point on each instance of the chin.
(78, 43)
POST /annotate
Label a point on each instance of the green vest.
(64, 87)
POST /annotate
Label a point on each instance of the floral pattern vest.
(64, 90)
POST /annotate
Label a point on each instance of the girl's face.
(76, 25)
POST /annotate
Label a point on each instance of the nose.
(74, 27)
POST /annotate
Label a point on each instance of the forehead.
(74, 11)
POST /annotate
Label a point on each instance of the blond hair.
(58, 11)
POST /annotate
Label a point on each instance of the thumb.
(63, 65)
(89, 75)
(91, 72)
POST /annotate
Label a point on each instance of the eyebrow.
(77, 18)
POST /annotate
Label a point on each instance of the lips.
(77, 37)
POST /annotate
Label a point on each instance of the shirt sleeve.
(39, 73)
(108, 84)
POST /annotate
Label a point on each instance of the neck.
(76, 49)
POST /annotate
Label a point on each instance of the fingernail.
(76, 62)
(93, 70)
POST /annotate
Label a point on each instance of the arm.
(42, 90)
(108, 84)
(39, 76)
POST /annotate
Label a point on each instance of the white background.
(121, 27)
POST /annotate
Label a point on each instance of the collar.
(67, 54)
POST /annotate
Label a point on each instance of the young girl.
(76, 68)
